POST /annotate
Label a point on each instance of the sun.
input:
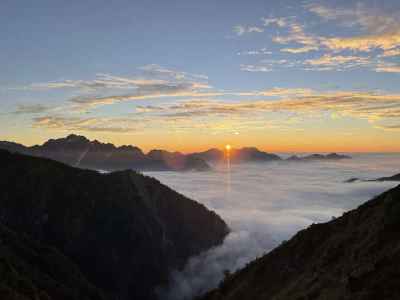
(228, 147)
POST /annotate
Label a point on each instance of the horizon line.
(146, 150)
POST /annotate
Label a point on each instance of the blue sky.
(132, 71)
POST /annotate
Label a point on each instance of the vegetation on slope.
(125, 231)
(356, 256)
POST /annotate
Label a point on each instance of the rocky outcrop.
(80, 152)
(124, 231)
(356, 256)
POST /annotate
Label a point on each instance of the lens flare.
(228, 170)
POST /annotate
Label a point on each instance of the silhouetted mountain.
(210, 155)
(247, 154)
(252, 154)
(178, 161)
(80, 152)
(124, 231)
(356, 256)
(351, 180)
(311, 157)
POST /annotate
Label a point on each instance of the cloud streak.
(31, 109)
(241, 30)
(378, 39)
(79, 124)
(377, 108)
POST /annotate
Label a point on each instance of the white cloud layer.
(266, 204)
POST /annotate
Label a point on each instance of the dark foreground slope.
(124, 231)
(30, 270)
(390, 178)
(356, 256)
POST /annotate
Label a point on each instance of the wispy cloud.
(179, 89)
(366, 105)
(262, 51)
(375, 37)
(152, 76)
(381, 29)
(388, 67)
(255, 68)
(148, 108)
(395, 127)
(337, 62)
(300, 49)
(377, 108)
(371, 20)
(241, 29)
(157, 70)
(297, 35)
(366, 43)
(101, 82)
(31, 109)
(287, 92)
(391, 52)
(280, 22)
(153, 82)
(78, 124)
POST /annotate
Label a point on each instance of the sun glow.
(228, 169)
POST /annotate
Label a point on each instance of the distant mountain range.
(247, 154)
(311, 157)
(356, 256)
(71, 234)
(78, 151)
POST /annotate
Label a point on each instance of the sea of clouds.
(265, 204)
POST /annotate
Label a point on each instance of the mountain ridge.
(78, 151)
(124, 230)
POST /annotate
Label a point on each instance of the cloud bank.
(265, 204)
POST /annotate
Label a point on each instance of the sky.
(284, 76)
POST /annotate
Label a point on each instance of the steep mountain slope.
(356, 256)
(390, 178)
(31, 270)
(78, 151)
(124, 230)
